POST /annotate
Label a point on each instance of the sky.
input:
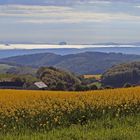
(73, 21)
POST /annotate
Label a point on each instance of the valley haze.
(48, 46)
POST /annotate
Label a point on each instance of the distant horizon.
(63, 41)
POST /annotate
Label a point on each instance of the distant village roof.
(40, 85)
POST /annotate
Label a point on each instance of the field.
(112, 114)
(97, 130)
(97, 76)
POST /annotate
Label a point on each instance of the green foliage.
(85, 87)
(105, 129)
(108, 87)
(57, 79)
(60, 86)
(80, 87)
(127, 85)
(28, 80)
(93, 87)
(119, 75)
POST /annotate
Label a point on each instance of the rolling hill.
(82, 63)
(122, 74)
(133, 49)
(5, 67)
(13, 69)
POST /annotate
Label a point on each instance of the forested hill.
(123, 74)
(65, 51)
(82, 63)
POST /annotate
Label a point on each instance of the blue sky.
(73, 21)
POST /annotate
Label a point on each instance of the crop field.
(45, 110)
(97, 76)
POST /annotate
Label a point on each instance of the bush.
(108, 87)
(81, 88)
(93, 87)
(60, 86)
(57, 79)
(127, 85)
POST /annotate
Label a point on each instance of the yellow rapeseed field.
(48, 109)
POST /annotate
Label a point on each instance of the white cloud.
(138, 6)
(100, 2)
(24, 10)
(57, 14)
